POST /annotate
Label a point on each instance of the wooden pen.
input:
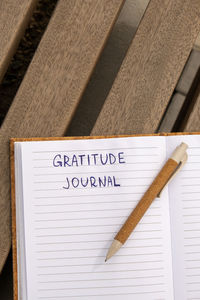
(173, 164)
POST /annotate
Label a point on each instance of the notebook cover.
(13, 207)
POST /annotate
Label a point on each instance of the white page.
(68, 231)
(184, 194)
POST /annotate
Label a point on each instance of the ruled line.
(100, 264)
(190, 170)
(191, 230)
(191, 238)
(74, 234)
(194, 184)
(191, 268)
(83, 203)
(97, 272)
(103, 279)
(193, 162)
(100, 248)
(190, 192)
(93, 241)
(97, 256)
(192, 222)
(192, 275)
(89, 226)
(100, 287)
(91, 233)
(95, 172)
(193, 259)
(88, 150)
(193, 290)
(88, 195)
(90, 187)
(118, 294)
(191, 215)
(191, 245)
(75, 219)
(190, 177)
(193, 252)
(98, 165)
(88, 210)
(194, 147)
(189, 200)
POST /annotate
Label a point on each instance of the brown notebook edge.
(12, 168)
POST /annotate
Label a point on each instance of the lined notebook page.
(68, 230)
(184, 194)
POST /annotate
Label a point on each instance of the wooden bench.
(49, 100)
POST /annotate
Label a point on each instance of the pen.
(174, 163)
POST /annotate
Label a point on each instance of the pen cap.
(179, 152)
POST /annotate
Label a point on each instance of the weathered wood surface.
(151, 69)
(14, 16)
(54, 83)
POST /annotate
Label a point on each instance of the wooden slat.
(14, 15)
(54, 83)
(153, 64)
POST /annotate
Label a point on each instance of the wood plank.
(14, 16)
(150, 70)
(54, 83)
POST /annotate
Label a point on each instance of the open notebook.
(72, 196)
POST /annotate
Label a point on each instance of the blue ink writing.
(91, 182)
(93, 159)
(74, 160)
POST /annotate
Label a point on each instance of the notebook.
(70, 196)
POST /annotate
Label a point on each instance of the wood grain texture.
(14, 16)
(54, 83)
(151, 68)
